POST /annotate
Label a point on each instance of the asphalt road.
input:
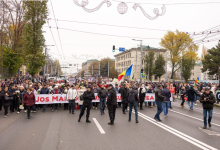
(181, 130)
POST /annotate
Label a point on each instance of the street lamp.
(141, 66)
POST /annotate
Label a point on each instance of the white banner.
(58, 98)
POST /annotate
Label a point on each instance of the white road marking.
(209, 132)
(198, 109)
(193, 117)
(178, 133)
(98, 126)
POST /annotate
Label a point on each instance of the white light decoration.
(84, 3)
(156, 11)
(122, 8)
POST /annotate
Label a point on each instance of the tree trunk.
(172, 74)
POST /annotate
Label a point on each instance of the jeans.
(195, 98)
(102, 104)
(165, 107)
(44, 107)
(159, 109)
(135, 108)
(190, 106)
(205, 116)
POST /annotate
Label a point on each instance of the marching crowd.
(19, 93)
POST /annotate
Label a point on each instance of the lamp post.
(141, 66)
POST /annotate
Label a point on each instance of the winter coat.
(190, 93)
(6, 102)
(141, 94)
(158, 96)
(71, 94)
(112, 99)
(44, 91)
(102, 93)
(124, 95)
(135, 94)
(80, 92)
(88, 97)
(208, 105)
(29, 99)
(167, 94)
(2, 95)
(182, 94)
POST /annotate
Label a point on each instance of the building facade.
(85, 65)
(125, 59)
(197, 72)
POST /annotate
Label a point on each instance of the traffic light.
(113, 50)
(142, 71)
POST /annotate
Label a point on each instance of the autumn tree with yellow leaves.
(179, 45)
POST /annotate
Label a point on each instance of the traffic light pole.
(141, 60)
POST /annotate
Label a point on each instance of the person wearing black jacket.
(1, 98)
(133, 95)
(190, 93)
(88, 96)
(124, 97)
(207, 99)
(44, 90)
(6, 102)
(182, 96)
(111, 103)
(159, 98)
(102, 97)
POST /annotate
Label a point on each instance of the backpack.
(81, 97)
(103, 93)
(131, 98)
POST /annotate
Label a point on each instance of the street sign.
(121, 49)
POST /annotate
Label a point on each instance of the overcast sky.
(77, 46)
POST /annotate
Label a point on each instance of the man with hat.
(207, 99)
(88, 96)
(111, 103)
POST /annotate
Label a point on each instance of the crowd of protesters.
(19, 93)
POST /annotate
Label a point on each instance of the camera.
(207, 98)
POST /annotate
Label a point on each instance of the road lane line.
(192, 117)
(98, 126)
(178, 133)
(197, 108)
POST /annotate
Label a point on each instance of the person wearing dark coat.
(182, 96)
(88, 96)
(111, 103)
(159, 98)
(207, 99)
(133, 94)
(6, 102)
(29, 101)
(102, 97)
(1, 98)
(44, 90)
(190, 93)
(167, 94)
(22, 92)
(124, 98)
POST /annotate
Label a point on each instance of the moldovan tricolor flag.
(125, 73)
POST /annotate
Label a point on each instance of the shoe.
(137, 121)
(159, 120)
(124, 113)
(204, 127)
(141, 109)
(70, 112)
(111, 123)
(52, 110)
(129, 120)
(5, 116)
(155, 118)
(79, 119)
(29, 117)
(151, 106)
(44, 111)
(88, 121)
(126, 110)
(73, 113)
(56, 110)
(165, 116)
(96, 108)
(25, 111)
(101, 113)
(171, 107)
(210, 125)
(18, 112)
(181, 105)
(34, 111)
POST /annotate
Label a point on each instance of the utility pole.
(92, 70)
(51, 67)
(108, 68)
(136, 67)
(99, 68)
(3, 14)
(166, 67)
(141, 60)
(46, 61)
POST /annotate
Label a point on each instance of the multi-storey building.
(85, 65)
(125, 59)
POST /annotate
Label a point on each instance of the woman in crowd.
(141, 92)
(8, 97)
(182, 96)
(29, 101)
